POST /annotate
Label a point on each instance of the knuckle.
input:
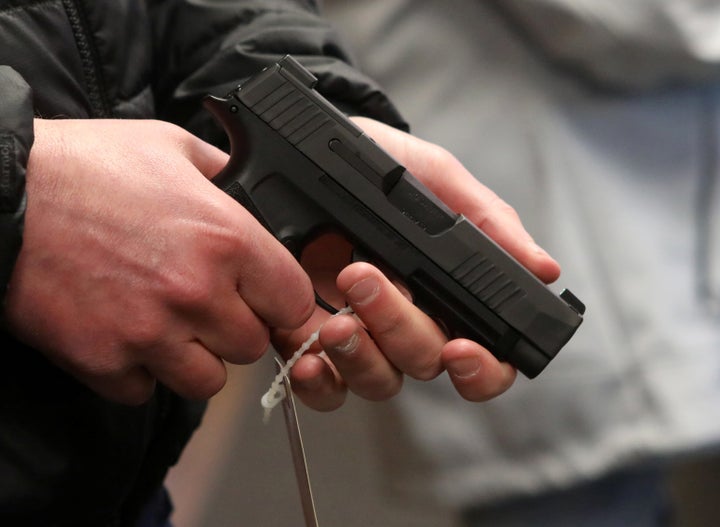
(505, 209)
(137, 393)
(103, 365)
(439, 158)
(327, 401)
(394, 389)
(253, 351)
(255, 341)
(388, 325)
(494, 212)
(426, 370)
(303, 307)
(426, 373)
(169, 130)
(394, 334)
(295, 305)
(188, 289)
(202, 389)
(145, 333)
(476, 395)
(376, 390)
(117, 380)
(92, 360)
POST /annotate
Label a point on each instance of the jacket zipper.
(99, 105)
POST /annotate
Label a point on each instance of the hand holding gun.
(303, 169)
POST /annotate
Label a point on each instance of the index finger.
(404, 334)
(476, 374)
(268, 278)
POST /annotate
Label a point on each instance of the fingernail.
(349, 346)
(465, 367)
(364, 291)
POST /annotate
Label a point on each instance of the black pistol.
(302, 168)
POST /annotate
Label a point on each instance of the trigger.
(357, 255)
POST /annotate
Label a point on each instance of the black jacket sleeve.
(16, 137)
(211, 46)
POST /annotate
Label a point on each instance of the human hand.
(390, 336)
(135, 267)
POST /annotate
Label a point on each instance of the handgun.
(302, 168)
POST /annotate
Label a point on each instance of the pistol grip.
(263, 176)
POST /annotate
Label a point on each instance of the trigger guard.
(325, 305)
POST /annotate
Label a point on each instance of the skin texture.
(393, 337)
(135, 269)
